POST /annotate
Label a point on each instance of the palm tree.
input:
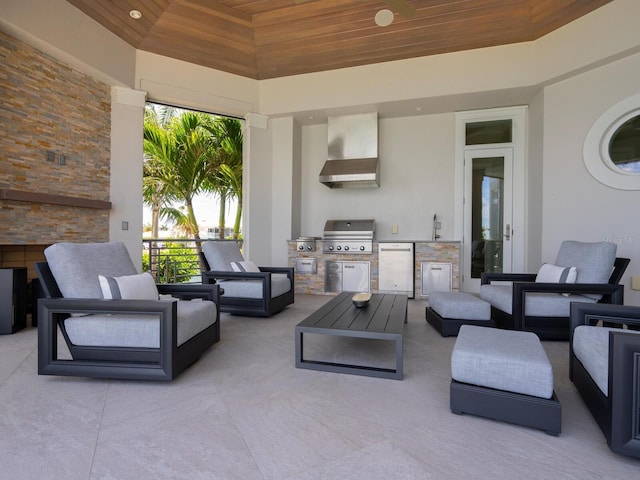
(154, 192)
(188, 153)
(180, 155)
(225, 176)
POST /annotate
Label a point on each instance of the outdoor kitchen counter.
(425, 251)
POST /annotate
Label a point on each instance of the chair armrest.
(287, 270)
(612, 315)
(616, 292)
(624, 392)
(520, 290)
(487, 278)
(53, 310)
(212, 276)
(187, 291)
(93, 305)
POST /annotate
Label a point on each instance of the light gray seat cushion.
(280, 284)
(536, 304)
(591, 347)
(76, 266)
(220, 254)
(506, 360)
(459, 305)
(142, 331)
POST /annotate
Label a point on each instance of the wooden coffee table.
(382, 319)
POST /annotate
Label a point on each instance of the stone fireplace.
(55, 152)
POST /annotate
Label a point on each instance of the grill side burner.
(348, 236)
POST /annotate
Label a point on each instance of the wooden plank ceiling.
(264, 39)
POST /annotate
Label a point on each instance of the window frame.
(596, 146)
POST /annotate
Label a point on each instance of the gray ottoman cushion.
(459, 305)
(502, 359)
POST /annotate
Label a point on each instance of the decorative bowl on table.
(361, 300)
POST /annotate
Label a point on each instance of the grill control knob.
(309, 247)
(362, 248)
(346, 248)
(331, 247)
(301, 247)
(338, 247)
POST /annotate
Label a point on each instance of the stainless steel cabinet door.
(355, 277)
(395, 268)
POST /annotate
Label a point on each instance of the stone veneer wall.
(47, 106)
(441, 252)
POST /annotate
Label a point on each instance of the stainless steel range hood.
(353, 152)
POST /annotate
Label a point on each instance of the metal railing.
(173, 260)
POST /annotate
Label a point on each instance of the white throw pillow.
(129, 287)
(550, 273)
(245, 266)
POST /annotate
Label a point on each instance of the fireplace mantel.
(33, 197)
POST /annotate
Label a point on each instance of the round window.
(612, 148)
(624, 147)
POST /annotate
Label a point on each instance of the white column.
(125, 220)
(271, 189)
(256, 189)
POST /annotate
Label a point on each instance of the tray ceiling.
(264, 39)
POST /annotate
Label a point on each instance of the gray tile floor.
(243, 411)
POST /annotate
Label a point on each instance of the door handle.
(507, 235)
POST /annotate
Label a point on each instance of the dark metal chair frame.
(163, 363)
(618, 414)
(550, 328)
(253, 307)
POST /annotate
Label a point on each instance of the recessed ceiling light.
(135, 14)
(384, 18)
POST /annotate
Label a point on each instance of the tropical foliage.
(187, 154)
(172, 263)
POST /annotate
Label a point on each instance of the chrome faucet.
(436, 227)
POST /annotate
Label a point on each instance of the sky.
(207, 210)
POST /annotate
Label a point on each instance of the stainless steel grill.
(306, 244)
(348, 236)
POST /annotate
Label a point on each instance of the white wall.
(573, 62)
(575, 205)
(184, 84)
(61, 30)
(416, 180)
(533, 187)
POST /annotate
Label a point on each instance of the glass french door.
(488, 211)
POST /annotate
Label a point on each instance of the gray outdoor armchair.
(604, 364)
(249, 290)
(112, 319)
(543, 307)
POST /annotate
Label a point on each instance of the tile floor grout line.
(95, 445)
